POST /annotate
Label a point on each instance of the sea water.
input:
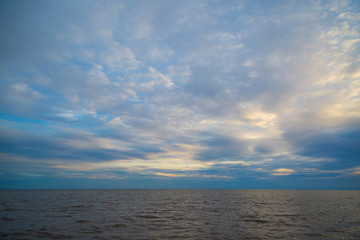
(179, 214)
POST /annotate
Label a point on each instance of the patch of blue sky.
(20, 119)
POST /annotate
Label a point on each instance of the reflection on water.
(175, 214)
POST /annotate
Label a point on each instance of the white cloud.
(161, 78)
(24, 90)
(118, 58)
(142, 30)
(160, 54)
(97, 75)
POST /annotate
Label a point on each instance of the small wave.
(314, 235)
(148, 216)
(335, 231)
(129, 219)
(50, 235)
(78, 206)
(10, 209)
(3, 235)
(286, 215)
(94, 230)
(256, 220)
(117, 225)
(82, 221)
(59, 216)
(166, 210)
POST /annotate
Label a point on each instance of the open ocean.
(179, 214)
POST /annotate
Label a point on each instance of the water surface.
(179, 214)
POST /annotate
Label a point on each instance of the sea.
(179, 214)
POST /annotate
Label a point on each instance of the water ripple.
(179, 214)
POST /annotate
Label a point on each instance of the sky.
(180, 94)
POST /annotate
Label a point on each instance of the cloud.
(341, 146)
(174, 175)
(192, 89)
(282, 172)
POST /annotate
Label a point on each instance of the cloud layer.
(180, 94)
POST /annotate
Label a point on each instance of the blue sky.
(180, 94)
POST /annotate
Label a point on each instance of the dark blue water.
(179, 214)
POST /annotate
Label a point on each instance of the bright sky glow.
(180, 94)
